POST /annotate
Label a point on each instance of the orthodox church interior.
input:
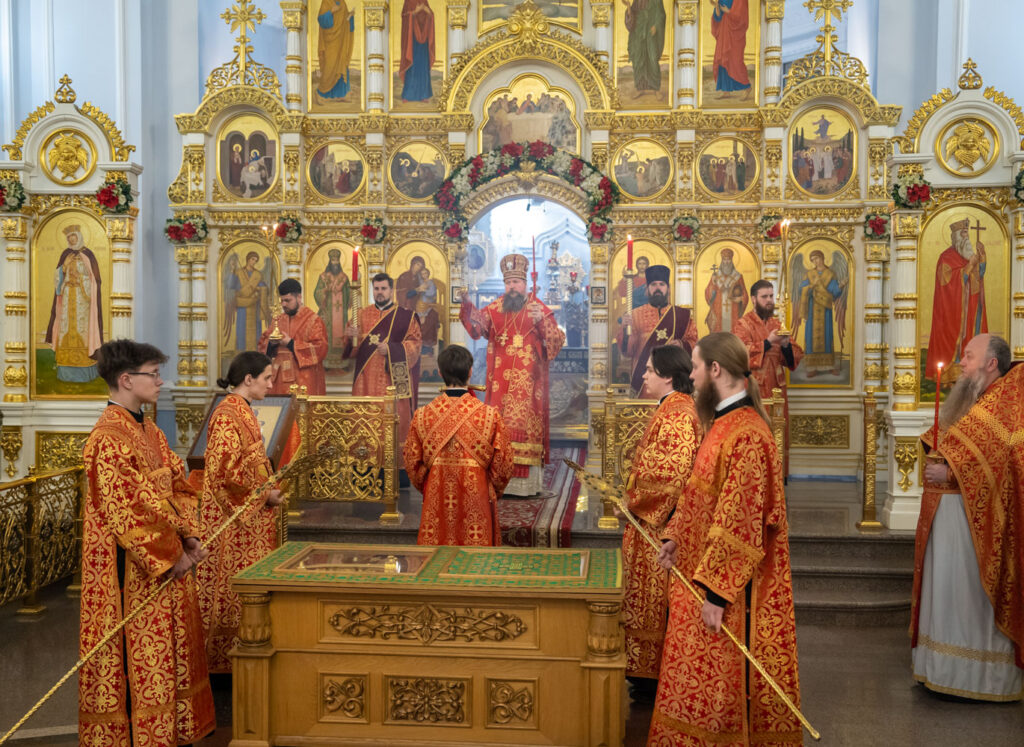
(196, 153)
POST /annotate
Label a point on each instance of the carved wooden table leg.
(606, 665)
(251, 674)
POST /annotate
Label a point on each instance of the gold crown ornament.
(514, 266)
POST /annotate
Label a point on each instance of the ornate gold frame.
(309, 162)
(791, 177)
(669, 183)
(268, 195)
(940, 155)
(93, 158)
(482, 26)
(395, 151)
(754, 182)
(494, 93)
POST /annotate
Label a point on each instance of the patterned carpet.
(544, 521)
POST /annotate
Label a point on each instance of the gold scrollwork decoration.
(345, 697)
(59, 450)
(510, 702)
(427, 700)
(820, 431)
(910, 138)
(14, 147)
(1009, 106)
(427, 623)
(905, 455)
(10, 444)
(119, 150)
(970, 79)
(905, 383)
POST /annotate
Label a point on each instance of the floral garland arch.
(601, 192)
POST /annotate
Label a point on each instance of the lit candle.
(629, 251)
(534, 240)
(355, 265)
(938, 391)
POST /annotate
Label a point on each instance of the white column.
(375, 12)
(771, 85)
(771, 256)
(686, 53)
(16, 320)
(685, 253)
(121, 232)
(601, 19)
(903, 499)
(291, 11)
(200, 350)
(458, 19)
(293, 261)
(876, 313)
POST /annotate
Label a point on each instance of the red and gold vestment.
(651, 327)
(400, 329)
(732, 535)
(303, 363)
(236, 464)
(139, 508)
(985, 451)
(661, 466)
(519, 353)
(458, 455)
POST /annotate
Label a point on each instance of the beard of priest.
(298, 357)
(655, 323)
(522, 339)
(967, 613)
(729, 535)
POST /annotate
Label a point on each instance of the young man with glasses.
(139, 528)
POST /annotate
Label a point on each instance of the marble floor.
(855, 683)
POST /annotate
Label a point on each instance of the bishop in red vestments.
(298, 356)
(729, 535)
(661, 466)
(655, 323)
(387, 342)
(236, 464)
(458, 455)
(148, 687)
(522, 340)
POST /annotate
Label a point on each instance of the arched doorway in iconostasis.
(556, 236)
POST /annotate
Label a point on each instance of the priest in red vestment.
(655, 323)
(522, 340)
(148, 687)
(236, 464)
(771, 354)
(458, 455)
(958, 306)
(387, 342)
(967, 609)
(298, 356)
(661, 466)
(729, 535)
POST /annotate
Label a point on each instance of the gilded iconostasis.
(428, 138)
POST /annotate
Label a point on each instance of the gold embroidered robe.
(236, 463)
(661, 466)
(732, 534)
(139, 508)
(458, 455)
(303, 365)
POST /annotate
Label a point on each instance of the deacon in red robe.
(148, 687)
(236, 464)
(522, 340)
(298, 356)
(958, 308)
(653, 324)
(458, 455)
(967, 610)
(387, 342)
(729, 536)
(661, 466)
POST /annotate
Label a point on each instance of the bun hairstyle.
(247, 363)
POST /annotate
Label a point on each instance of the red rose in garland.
(774, 232)
(685, 232)
(369, 232)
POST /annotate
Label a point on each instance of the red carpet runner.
(544, 521)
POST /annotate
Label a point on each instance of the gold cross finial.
(970, 79)
(243, 16)
(827, 9)
(65, 93)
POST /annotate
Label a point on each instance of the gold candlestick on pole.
(784, 331)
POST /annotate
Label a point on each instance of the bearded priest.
(729, 535)
(967, 615)
(522, 340)
(653, 324)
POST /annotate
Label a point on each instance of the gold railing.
(39, 533)
(775, 406)
(365, 430)
(622, 425)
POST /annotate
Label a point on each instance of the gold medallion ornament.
(68, 157)
(967, 147)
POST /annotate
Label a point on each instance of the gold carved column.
(601, 19)
(1017, 285)
(903, 499)
(774, 11)
(600, 354)
(199, 370)
(14, 232)
(876, 314)
(458, 19)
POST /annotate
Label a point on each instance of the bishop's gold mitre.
(514, 266)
